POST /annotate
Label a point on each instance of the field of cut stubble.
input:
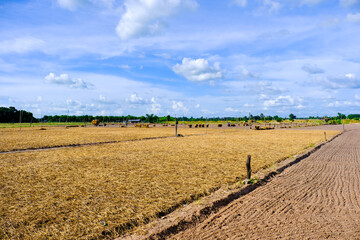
(100, 191)
(29, 138)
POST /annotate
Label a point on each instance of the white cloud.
(353, 17)
(127, 67)
(350, 75)
(311, 2)
(357, 97)
(329, 23)
(134, 99)
(264, 88)
(348, 80)
(104, 100)
(75, 107)
(155, 106)
(241, 3)
(249, 105)
(349, 3)
(64, 79)
(198, 70)
(279, 101)
(284, 102)
(72, 4)
(263, 96)
(312, 69)
(119, 112)
(39, 99)
(179, 107)
(247, 74)
(343, 104)
(71, 102)
(230, 109)
(21, 45)
(272, 6)
(146, 17)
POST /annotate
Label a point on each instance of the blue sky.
(180, 57)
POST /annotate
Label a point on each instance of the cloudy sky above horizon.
(180, 57)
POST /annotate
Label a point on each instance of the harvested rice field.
(29, 138)
(101, 191)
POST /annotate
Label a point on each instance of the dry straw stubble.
(89, 192)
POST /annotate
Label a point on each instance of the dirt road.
(318, 198)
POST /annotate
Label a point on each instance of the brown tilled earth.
(317, 198)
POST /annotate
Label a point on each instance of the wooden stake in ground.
(248, 167)
(67, 118)
(20, 120)
(325, 136)
(176, 122)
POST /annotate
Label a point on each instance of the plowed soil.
(317, 198)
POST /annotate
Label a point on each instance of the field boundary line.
(90, 144)
(187, 216)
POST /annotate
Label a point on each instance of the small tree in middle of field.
(292, 117)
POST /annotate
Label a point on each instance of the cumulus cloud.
(155, 106)
(179, 107)
(146, 17)
(247, 74)
(279, 101)
(355, 18)
(104, 100)
(198, 70)
(284, 102)
(312, 69)
(21, 45)
(64, 79)
(348, 80)
(134, 99)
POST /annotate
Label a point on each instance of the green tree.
(277, 118)
(292, 117)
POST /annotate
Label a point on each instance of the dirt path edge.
(196, 212)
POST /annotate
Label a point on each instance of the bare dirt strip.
(317, 198)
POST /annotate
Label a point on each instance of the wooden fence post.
(325, 136)
(248, 167)
(176, 127)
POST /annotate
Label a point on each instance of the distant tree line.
(354, 116)
(12, 115)
(88, 118)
